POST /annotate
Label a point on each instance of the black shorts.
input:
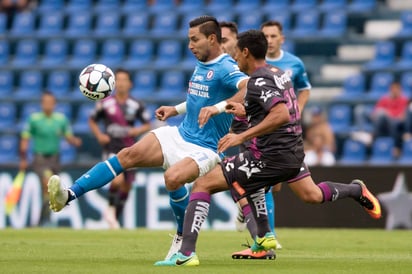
(245, 174)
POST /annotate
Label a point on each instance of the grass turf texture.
(135, 251)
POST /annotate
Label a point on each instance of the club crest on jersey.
(209, 74)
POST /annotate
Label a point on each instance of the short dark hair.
(122, 70)
(255, 41)
(208, 26)
(272, 23)
(47, 93)
(230, 25)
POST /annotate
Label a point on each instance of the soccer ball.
(96, 81)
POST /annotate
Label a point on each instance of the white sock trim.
(180, 199)
(110, 167)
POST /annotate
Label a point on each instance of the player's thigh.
(212, 182)
(182, 172)
(147, 152)
(306, 189)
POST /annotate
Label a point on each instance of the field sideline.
(134, 251)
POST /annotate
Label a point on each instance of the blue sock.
(270, 205)
(179, 199)
(96, 177)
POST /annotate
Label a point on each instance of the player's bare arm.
(303, 98)
(209, 111)
(236, 108)
(164, 112)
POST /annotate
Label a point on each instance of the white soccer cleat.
(58, 196)
(175, 247)
(110, 217)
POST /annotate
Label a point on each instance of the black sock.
(257, 203)
(335, 191)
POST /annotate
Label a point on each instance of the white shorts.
(175, 149)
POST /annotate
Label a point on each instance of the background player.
(46, 129)
(119, 114)
(186, 151)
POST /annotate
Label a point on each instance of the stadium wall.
(148, 205)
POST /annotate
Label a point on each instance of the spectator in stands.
(320, 144)
(11, 7)
(45, 129)
(389, 115)
(119, 113)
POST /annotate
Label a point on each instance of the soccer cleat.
(58, 195)
(175, 247)
(264, 243)
(110, 217)
(369, 202)
(178, 259)
(249, 254)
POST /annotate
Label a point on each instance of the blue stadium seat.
(219, 6)
(307, 24)
(189, 60)
(140, 54)
(276, 5)
(362, 117)
(172, 85)
(3, 24)
(6, 83)
(30, 85)
(136, 23)
(55, 53)
(384, 56)
(51, 24)
(26, 53)
(353, 152)
(332, 5)
(80, 125)
(161, 6)
(144, 84)
(27, 109)
(405, 60)
(79, 5)
(243, 7)
(133, 6)
(23, 24)
(340, 118)
(225, 15)
(169, 53)
(189, 6)
(4, 52)
(361, 6)
(108, 24)
(334, 24)
(84, 53)
(250, 20)
(164, 24)
(186, 18)
(113, 52)
(380, 83)
(8, 114)
(79, 24)
(106, 5)
(9, 145)
(284, 18)
(64, 108)
(59, 82)
(381, 152)
(406, 28)
(302, 5)
(68, 153)
(354, 87)
(406, 83)
(45, 6)
(406, 153)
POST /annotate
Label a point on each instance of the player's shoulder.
(59, 116)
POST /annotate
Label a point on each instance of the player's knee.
(311, 197)
(127, 157)
(172, 181)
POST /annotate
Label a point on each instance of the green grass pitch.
(134, 251)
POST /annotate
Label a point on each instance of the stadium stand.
(152, 42)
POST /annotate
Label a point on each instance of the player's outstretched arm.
(164, 112)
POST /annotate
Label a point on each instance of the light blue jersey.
(292, 65)
(211, 82)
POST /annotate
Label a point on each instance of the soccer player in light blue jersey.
(187, 151)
